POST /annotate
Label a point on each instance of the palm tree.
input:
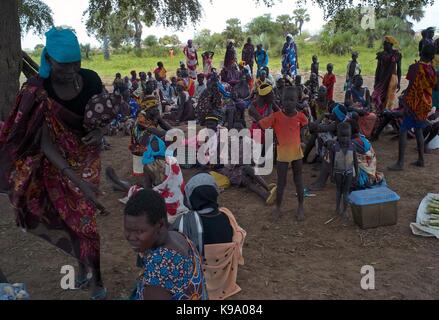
(300, 16)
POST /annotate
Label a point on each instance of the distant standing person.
(160, 71)
(191, 59)
(230, 58)
(427, 38)
(261, 58)
(207, 62)
(290, 63)
(387, 75)
(248, 54)
(352, 69)
(329, 81)
(315, 65)
(171, 55)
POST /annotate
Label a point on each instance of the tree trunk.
(106, 48)
(370, 39)
(138, 37)
(10, 55)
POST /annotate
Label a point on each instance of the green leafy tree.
(17, 17)
(263, 24)
(266, 31)
(35, 16)
(38, 49)
(119, 32)
(287, 24)
(208, 41)
(170, 40)
(300, 16)
(169, 13)
(339, 43)
(333, 7)
(85, 51)
(234, 31)
(151, 41)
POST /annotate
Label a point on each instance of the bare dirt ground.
(285, 260)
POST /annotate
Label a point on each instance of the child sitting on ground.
(162, 173)
(242, 174)
(147, 122)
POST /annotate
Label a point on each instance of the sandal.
(101, 295)
(82, 284)
(272, 197)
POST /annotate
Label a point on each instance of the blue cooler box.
(373, 208)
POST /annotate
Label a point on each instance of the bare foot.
(344, 218)
(82, 282)
(337, 212)
(317, 186)
(300, 216)
(98, 293)
(396, 167)
(418, 163)
(276, 214)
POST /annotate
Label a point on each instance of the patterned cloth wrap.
(182, 276)
(16, 291)
(100, 111)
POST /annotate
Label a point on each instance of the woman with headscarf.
(358, 97)
(211, 100)
(290, 62)
(50, 154)
(191, 59)
(248, 54)
(387, 75)
(261, 58)
(215, 233)
(184, 110)
(427, 38)
(230, 58)
(263, 104)
(162, 173)
(148, 121)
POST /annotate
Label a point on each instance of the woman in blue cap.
(49, 155)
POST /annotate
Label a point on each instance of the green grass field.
(124, 63)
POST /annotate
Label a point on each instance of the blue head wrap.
(61, 45)
(149, 155)
(341, 116)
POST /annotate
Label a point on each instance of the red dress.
(329, 82)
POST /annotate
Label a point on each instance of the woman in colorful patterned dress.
(290, 62)
(387, 75)
(417, 102)
(50, 161)
(191, 59)
(171, 265)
